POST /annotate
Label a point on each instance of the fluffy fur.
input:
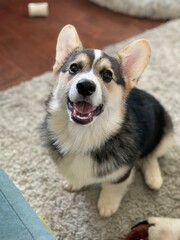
(99, 124)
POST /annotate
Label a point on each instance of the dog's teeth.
(89, 115)
(83, 117)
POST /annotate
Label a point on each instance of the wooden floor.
(27, 45)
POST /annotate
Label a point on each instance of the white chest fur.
(80, 170)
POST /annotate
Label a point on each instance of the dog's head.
(90, 82)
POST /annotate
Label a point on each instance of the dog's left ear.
(134, 59)
(67, 41)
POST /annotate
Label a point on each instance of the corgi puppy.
(99, 124)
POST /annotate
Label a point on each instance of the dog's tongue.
(83, 107)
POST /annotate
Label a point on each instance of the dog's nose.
(86, 87)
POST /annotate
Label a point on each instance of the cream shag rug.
(74, 215)
(155, 9)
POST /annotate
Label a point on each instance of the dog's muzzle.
(82, 111)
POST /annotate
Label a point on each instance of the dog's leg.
(152, 173)
(150, 166)
(111, 196)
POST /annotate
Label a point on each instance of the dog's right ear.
(67, 41)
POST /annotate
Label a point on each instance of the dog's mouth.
(83, 112)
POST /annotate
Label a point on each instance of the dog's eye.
(74, 68)
(106, 75)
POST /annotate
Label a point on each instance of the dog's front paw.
(154, 182)
(69, 187)
(152, 173)
(107, 205)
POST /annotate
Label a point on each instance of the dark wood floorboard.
(27, 45)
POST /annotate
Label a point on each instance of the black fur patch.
(90, 54)
(149, 118)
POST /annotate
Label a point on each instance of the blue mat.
(18, 221)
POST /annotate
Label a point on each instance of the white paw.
(69, 187)
(107, 206)
(154, 182)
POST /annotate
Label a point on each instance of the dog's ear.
(67, 41)
(134, 59)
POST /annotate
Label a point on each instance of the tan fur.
(101, 64)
